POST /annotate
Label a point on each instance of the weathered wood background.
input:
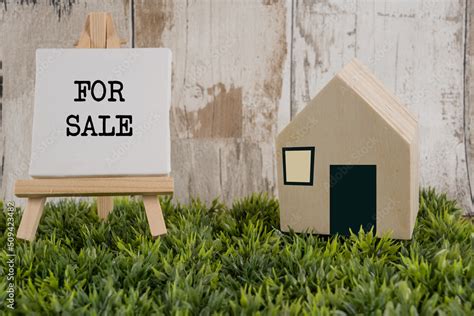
(243, 68)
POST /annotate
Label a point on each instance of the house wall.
(351, 133)
(242, 69)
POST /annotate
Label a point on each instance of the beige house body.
(349, 159)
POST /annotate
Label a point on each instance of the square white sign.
(101, 112)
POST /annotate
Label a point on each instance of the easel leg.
(105, 205)
(154, 215)
(30, 219)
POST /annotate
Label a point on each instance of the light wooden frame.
(99, 32)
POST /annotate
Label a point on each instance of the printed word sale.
(103, 125)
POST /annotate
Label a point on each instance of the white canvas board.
(134, 106)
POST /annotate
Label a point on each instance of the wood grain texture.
(230, 90)
(105, 205)
(24, 27)
(98, 29)
(94, 186)
(416, 48)
(469, 95)
(154, 215)
(31, 218)
(2, 138)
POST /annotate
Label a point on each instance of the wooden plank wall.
(469, 96)
(230, 78)
(242, 69)
(2, 141)
(417, 49)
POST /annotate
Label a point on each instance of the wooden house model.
(348, 160)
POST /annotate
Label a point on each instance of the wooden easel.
(99, 32)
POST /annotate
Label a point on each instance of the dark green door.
(353, 198)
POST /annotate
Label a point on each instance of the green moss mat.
(236, 261)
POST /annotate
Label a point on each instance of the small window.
(298, 165)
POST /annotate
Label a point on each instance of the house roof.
(357, 77)
(361, 80)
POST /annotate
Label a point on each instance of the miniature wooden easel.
(99, 32)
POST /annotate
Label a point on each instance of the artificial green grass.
(237, 261)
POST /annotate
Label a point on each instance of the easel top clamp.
(99, 32)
